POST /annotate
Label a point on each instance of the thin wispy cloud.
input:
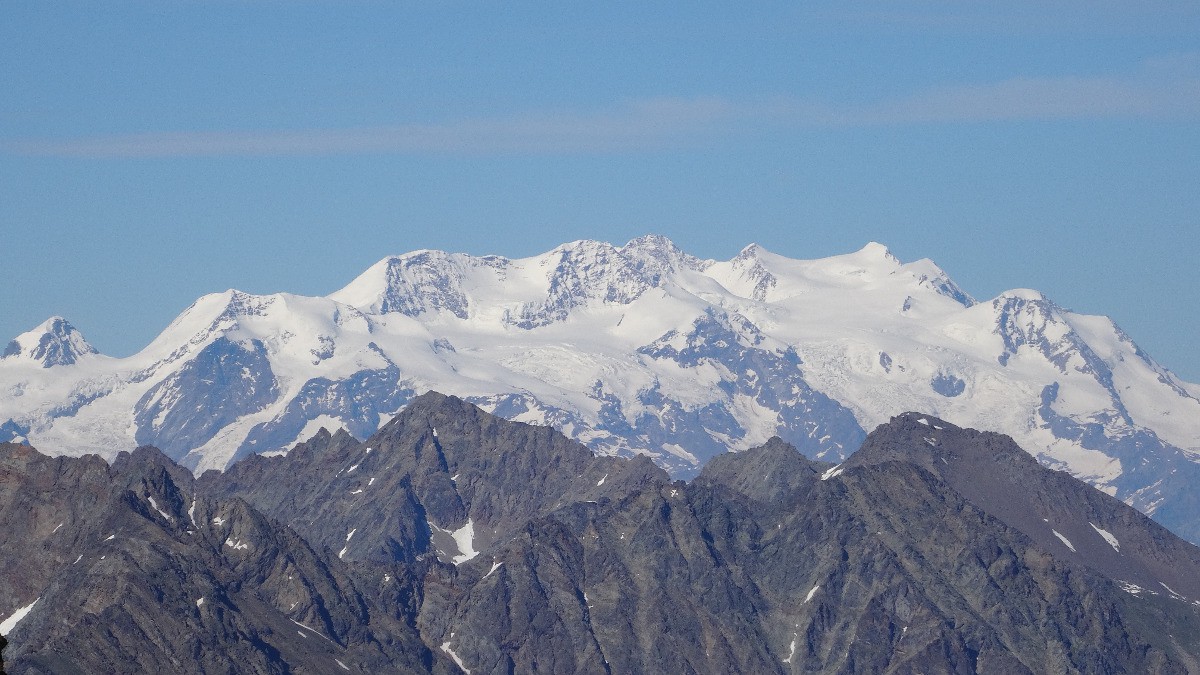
(1163, 88)
(1033, 99)
(1168, 87)
(636, 125)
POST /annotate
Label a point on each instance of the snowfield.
(633, 349)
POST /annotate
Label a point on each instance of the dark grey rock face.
(452, 537)
(1059, 513)
(42, 499)
(441, 461)
(222, 383)
(757, 566)
(140, 575)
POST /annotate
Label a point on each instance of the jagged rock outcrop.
(452, 539)
(140, 574)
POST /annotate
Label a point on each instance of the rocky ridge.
(453, 540)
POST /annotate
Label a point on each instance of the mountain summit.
(636, 349)
(53, 343)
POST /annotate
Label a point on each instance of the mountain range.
(638, 349)
(452, 540)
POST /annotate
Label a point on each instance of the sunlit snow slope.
(640, 348)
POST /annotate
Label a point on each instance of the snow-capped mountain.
(640, 348)
(54, 343)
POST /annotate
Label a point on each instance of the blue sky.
(151, 152)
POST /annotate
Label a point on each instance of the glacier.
(640, 348)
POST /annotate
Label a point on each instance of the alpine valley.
(633, 350)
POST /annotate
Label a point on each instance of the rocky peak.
(425, 281)
(749, 253)
(995, 475)
(1025, 311)
(614, 273)
(937, 445)
(658, 252)
(765, 474)
(416, 283)
(53, 343)
(749, 262)
(586, 271)
(149, 463)
(1027, 318)
(444, 479)
(216, 314)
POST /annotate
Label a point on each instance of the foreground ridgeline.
(455, 541)
(634, 349)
